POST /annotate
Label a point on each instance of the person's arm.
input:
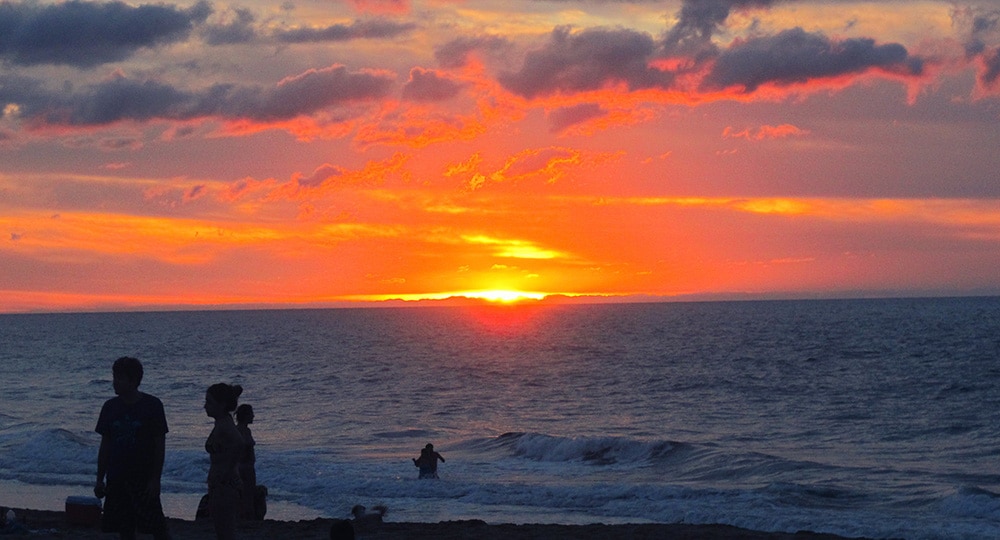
(159, 456)
(441, 458)
(102, 467)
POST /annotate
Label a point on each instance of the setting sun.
(500, 296)
(503, 296)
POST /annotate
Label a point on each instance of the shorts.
(128, 507)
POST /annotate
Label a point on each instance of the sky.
(314, 152)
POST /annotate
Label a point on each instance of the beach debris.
(366, 520)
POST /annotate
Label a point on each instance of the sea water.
(869, 418)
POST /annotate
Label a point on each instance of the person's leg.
(248, 491)
(149, 518)
(118, 514)
(224, 506)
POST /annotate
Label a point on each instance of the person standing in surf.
(428, 462)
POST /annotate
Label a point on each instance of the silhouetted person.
(133, 430)
(225, 447)
(428, 462)
(248, 459)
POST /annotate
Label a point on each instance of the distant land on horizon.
(549, 300)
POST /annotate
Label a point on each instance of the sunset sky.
(309, 152)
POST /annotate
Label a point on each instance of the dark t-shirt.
(132, 430)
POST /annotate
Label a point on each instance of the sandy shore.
(46, 525)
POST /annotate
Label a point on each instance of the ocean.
(873, 417)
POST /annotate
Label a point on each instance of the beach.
(45, 525)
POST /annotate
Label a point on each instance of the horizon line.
(461, 300)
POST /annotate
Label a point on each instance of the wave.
(681, 460)
(592, 450)
(42, 456)
(548, 478)
(972, 502)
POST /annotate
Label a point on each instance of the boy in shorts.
(133, 430)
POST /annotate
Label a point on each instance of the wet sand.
(47, 525)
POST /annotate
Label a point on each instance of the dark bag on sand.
(259, 505)
(341, 529)
(260, 502)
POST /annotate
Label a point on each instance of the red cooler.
(83, 511)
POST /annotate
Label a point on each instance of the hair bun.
(237, 390)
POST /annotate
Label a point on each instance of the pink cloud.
(764, 132)
(382, 6)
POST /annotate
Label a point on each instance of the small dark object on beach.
(341, 529)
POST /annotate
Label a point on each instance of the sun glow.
(504, 296)
(500, 296)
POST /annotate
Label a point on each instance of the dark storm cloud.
(974, 48)
(86, 34)
(374, 29)
(311, 91)
(985, 22)
(426, 85)
(120, 99)
(589, 60)
(123, 99)
(698, 21)
(991, 62)
(17, 89)
(597, 58)
(456, 52)
(796, 56)
(982, 28)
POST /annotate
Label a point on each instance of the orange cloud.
(475, 102)
(546, 165)
(514, 249)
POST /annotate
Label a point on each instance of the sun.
(502, 296)
(494, 296)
